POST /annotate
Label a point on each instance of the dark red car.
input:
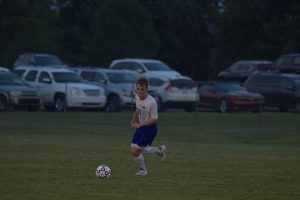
(227, 97)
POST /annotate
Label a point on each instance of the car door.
(45, 86)
(207, 96)
(286, 97)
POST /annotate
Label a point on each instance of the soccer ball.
(103, 172)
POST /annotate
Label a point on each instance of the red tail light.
(169, 86)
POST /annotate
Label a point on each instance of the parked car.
(289, 63)
(3, 69)
(228, 97)
(62, 88)
(144, 66)
(118, 84)
(280, 90)
(240, 70)
(175, 92)
(15, 93)
(38, 59)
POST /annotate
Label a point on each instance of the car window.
(157, 66)
(266, 66)
(228, 87)
(47, 60)
(19, 72)
(243, 67)
(31, 76)
(296, 61)
(120, 78)
(10, 79)
(43, 76)
(205, 88)
(156, 82)
(89, 76)
(286, 84)
(66, 77)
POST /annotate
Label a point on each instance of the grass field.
(211, 156)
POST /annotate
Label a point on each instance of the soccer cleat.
(141, 173)
(162, 153)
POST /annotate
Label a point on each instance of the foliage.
(184, 31)
(26, 26)
(120, 29)
(253, 29)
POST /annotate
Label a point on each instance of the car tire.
(224, 107)
(113, 104)
(160, 104)
(3, 104)
(60, 103)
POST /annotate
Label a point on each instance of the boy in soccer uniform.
(144, 121)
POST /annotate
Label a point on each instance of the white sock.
(150, 149)
(140, 162)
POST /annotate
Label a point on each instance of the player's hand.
(135, 125)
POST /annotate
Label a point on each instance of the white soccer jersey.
(147, 108)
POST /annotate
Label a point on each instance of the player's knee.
(135, 152)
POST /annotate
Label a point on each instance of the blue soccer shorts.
(144, 136)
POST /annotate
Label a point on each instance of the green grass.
(211, 156)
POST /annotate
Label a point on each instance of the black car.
(289, 63)
(280, 90)
(241, 70)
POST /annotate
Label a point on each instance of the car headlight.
(74, 91)
(15, 93)
(127, 93)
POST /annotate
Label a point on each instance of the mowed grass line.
(210, 156)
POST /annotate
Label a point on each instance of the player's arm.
(134, 118)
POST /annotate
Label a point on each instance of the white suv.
(144, 66)
(62, 88)
(176, 92)
(119, 85)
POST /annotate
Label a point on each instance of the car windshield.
(228, 87)
(157, 66)
(66, 77)
(121, 78)
(48, 60)
(7, 79)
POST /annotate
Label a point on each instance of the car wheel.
(3, 104)
(113, 104)
(60, 103)
(224, 108)
(298, 106)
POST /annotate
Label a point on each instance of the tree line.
(197, 38)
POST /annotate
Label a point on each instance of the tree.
(184, 28)
(26, 26)
(120, 29)
(254, 29)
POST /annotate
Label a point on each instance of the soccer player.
(144, 121)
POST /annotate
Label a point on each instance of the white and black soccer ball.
(103, 172)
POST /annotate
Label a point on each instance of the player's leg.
(150, 135)
(161, 151)
(136, 150)
(139, 159)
